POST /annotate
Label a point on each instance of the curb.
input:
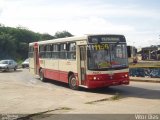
(152, 81)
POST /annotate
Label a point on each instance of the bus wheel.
(73, 82)
(41, 75)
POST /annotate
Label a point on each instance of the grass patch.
(65, 108)
(113, 98)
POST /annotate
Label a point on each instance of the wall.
(145, 72)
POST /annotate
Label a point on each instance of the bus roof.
(60, 40)
(68, 39)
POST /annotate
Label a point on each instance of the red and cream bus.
(89, 61)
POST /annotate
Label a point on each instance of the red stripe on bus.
(91, 81)
(102, 80)
(57, 75)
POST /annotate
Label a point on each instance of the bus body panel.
(58, 69)
(31, 65)
(51, 74)
(50, 67)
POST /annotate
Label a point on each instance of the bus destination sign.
(100, 47)
(104, 39)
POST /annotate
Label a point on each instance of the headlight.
(94, 78)
(126, 75)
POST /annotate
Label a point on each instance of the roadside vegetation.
(14, 42)
(112, 98)
(145, 64)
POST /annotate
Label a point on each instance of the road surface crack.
(40, 114)
(113, 98)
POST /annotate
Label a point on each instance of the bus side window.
(55, 51)
(71, 51)
(48, 51)
(30, 52)
(41, 51)
(63, 51)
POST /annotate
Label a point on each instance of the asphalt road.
(23, 93)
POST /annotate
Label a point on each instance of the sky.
(138, 20)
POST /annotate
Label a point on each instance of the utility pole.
(158, 49)
(133, 50)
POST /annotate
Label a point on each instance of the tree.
(7, 46)
(46, 36)
(14, 42)
(62, 34)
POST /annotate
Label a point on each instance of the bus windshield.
(107, 56)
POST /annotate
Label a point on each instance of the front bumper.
(2, 69)
(98, 84)
(103, 80)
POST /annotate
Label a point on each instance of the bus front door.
(36, 60)
(83, 65)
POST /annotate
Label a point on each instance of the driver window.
(10, 62)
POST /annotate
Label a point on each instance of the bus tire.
(73, 82)
(41, 75)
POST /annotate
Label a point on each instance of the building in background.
(151, 53)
